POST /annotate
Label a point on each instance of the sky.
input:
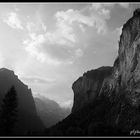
(50, 45)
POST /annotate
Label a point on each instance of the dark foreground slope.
(27, 118)
(108, 104)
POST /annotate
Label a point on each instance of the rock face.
(125, 74)
(87, 87)
(123, 80)
(128, 65)
(107, 100)
(27, 115)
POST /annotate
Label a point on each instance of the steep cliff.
(122, 86)
(27, 115)
(107, 102)
(87, 87)
(128, 65)
(125, 74)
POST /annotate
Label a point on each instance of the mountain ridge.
(50, 112)
(28, 119)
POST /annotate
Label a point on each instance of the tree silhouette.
(8, 115)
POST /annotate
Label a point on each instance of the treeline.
(8, 112)
(91, 120)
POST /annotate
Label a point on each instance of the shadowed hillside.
(27, 118)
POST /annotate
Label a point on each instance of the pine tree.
(9, 112)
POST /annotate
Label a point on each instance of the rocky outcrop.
(128, 65)
(125, 74)
(88, 87)
(27, 115)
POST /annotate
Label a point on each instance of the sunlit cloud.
(33, 45)
(95, 19)
(12, 20)
(63, 35)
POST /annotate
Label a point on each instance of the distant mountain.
(107, 99)
(49, 111)
(28, 119)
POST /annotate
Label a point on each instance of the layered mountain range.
(49, 111)
(107, 99)
(34, 114)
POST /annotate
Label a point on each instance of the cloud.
(64, 35)
(12, 20)
(32, 44)
(37, 80)
(102, 9)
(98, 14)
(33, 47)
(36, 26)
(96, 19)
(79, 52)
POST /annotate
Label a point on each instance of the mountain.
(87, 87)
(107, 99)
(28, 119)
(49, 111)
